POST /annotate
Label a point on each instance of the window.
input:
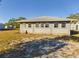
(56, 25)
(29, 25)
(42, 25)
(37, 25)
(63, 25)
(46, 25)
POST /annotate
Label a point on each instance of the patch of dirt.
(43, 48)
(69, 51)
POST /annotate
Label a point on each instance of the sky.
(33, 8)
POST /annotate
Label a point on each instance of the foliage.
(74, 16)
(12, 21)
(21, 18)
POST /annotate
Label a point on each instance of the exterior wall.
(75, 26)
(22, 28)
(61, 30)
(41, 30)
(78, 27)
(49, 30)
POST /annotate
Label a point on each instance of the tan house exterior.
(46, 25)
(75, 26)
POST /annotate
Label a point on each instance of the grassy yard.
(76, 35)
(10, 39)
(13, 36)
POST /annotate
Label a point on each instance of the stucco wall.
(75, 26)
(78, 27)
(50, 30)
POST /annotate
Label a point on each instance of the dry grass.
(12, 36)
(76, 35)
(7, 37)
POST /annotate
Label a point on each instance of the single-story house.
(45, 25)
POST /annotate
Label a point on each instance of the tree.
(12, 21)
(74, 16)
(21, 18)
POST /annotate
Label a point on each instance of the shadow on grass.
(35, 48)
